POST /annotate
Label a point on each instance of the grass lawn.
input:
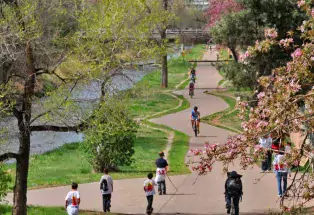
(152, 103)
(31, 210)
(67, 164)
(228, 118)
(154, 99)
(177, 70)
(178, 151)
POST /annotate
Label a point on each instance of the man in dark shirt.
(162, 168)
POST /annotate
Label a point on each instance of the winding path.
(201, 196)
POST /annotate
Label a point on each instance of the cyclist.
(195, 115)
(233, 189)
(191, 88)
(193, 74)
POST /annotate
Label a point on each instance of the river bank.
(54, 168)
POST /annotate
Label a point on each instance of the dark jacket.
(237, 178)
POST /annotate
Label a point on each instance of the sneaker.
(164, 193)
(228, 211)
(263, 171)
(160, 193)
(279, 196)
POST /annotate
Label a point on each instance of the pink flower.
(261, 95)
(312, 58)
(301, 3)
(286, 42)
(271, 33)
(312, 12)
(297, 53)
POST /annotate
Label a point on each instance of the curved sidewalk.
(201, 196)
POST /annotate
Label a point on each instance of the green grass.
(32, 210)
(177, 70)
(152, 103)
(228, 118)
(178, 151)
(67, 164)
(154, 99)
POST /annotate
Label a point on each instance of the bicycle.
(191, 93)
(195, 129)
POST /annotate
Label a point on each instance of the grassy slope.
(179, 148)
(227, 118)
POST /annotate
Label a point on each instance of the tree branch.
(56, 128)
(8, 155)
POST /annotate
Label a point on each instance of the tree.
(285, 105)
(218, 8)
(110, 137)
(86, 40)
(238, 30)
(164, 57)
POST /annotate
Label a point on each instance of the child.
(72, 200)
(150, 192)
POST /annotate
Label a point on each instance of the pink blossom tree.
(285, 104)
(218, 8)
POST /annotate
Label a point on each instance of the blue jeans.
(281, 178)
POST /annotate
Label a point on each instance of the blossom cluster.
(286, 42)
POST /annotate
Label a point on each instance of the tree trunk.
(234, 53)
(164, 63)
(24, 116)
(164, 72)
(22, 163)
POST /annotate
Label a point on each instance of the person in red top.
(276, 144)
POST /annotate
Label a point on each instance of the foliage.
(219, 8)
(109, 139)
(238, 30)
(240, 75)
(285, 105)
(5, 179)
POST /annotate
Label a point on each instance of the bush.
(109, 140)
(241, 76)
(5, 179)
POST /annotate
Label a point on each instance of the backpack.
(104, 185)
(234, 187)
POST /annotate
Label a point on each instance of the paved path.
(205, 196)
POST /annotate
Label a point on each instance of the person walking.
(106, 188)
(72, 200)
(233, 189)
(281, 170)
(161, 171)
(150, 192)
(266, 142)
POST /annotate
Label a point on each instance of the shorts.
(72, 210)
